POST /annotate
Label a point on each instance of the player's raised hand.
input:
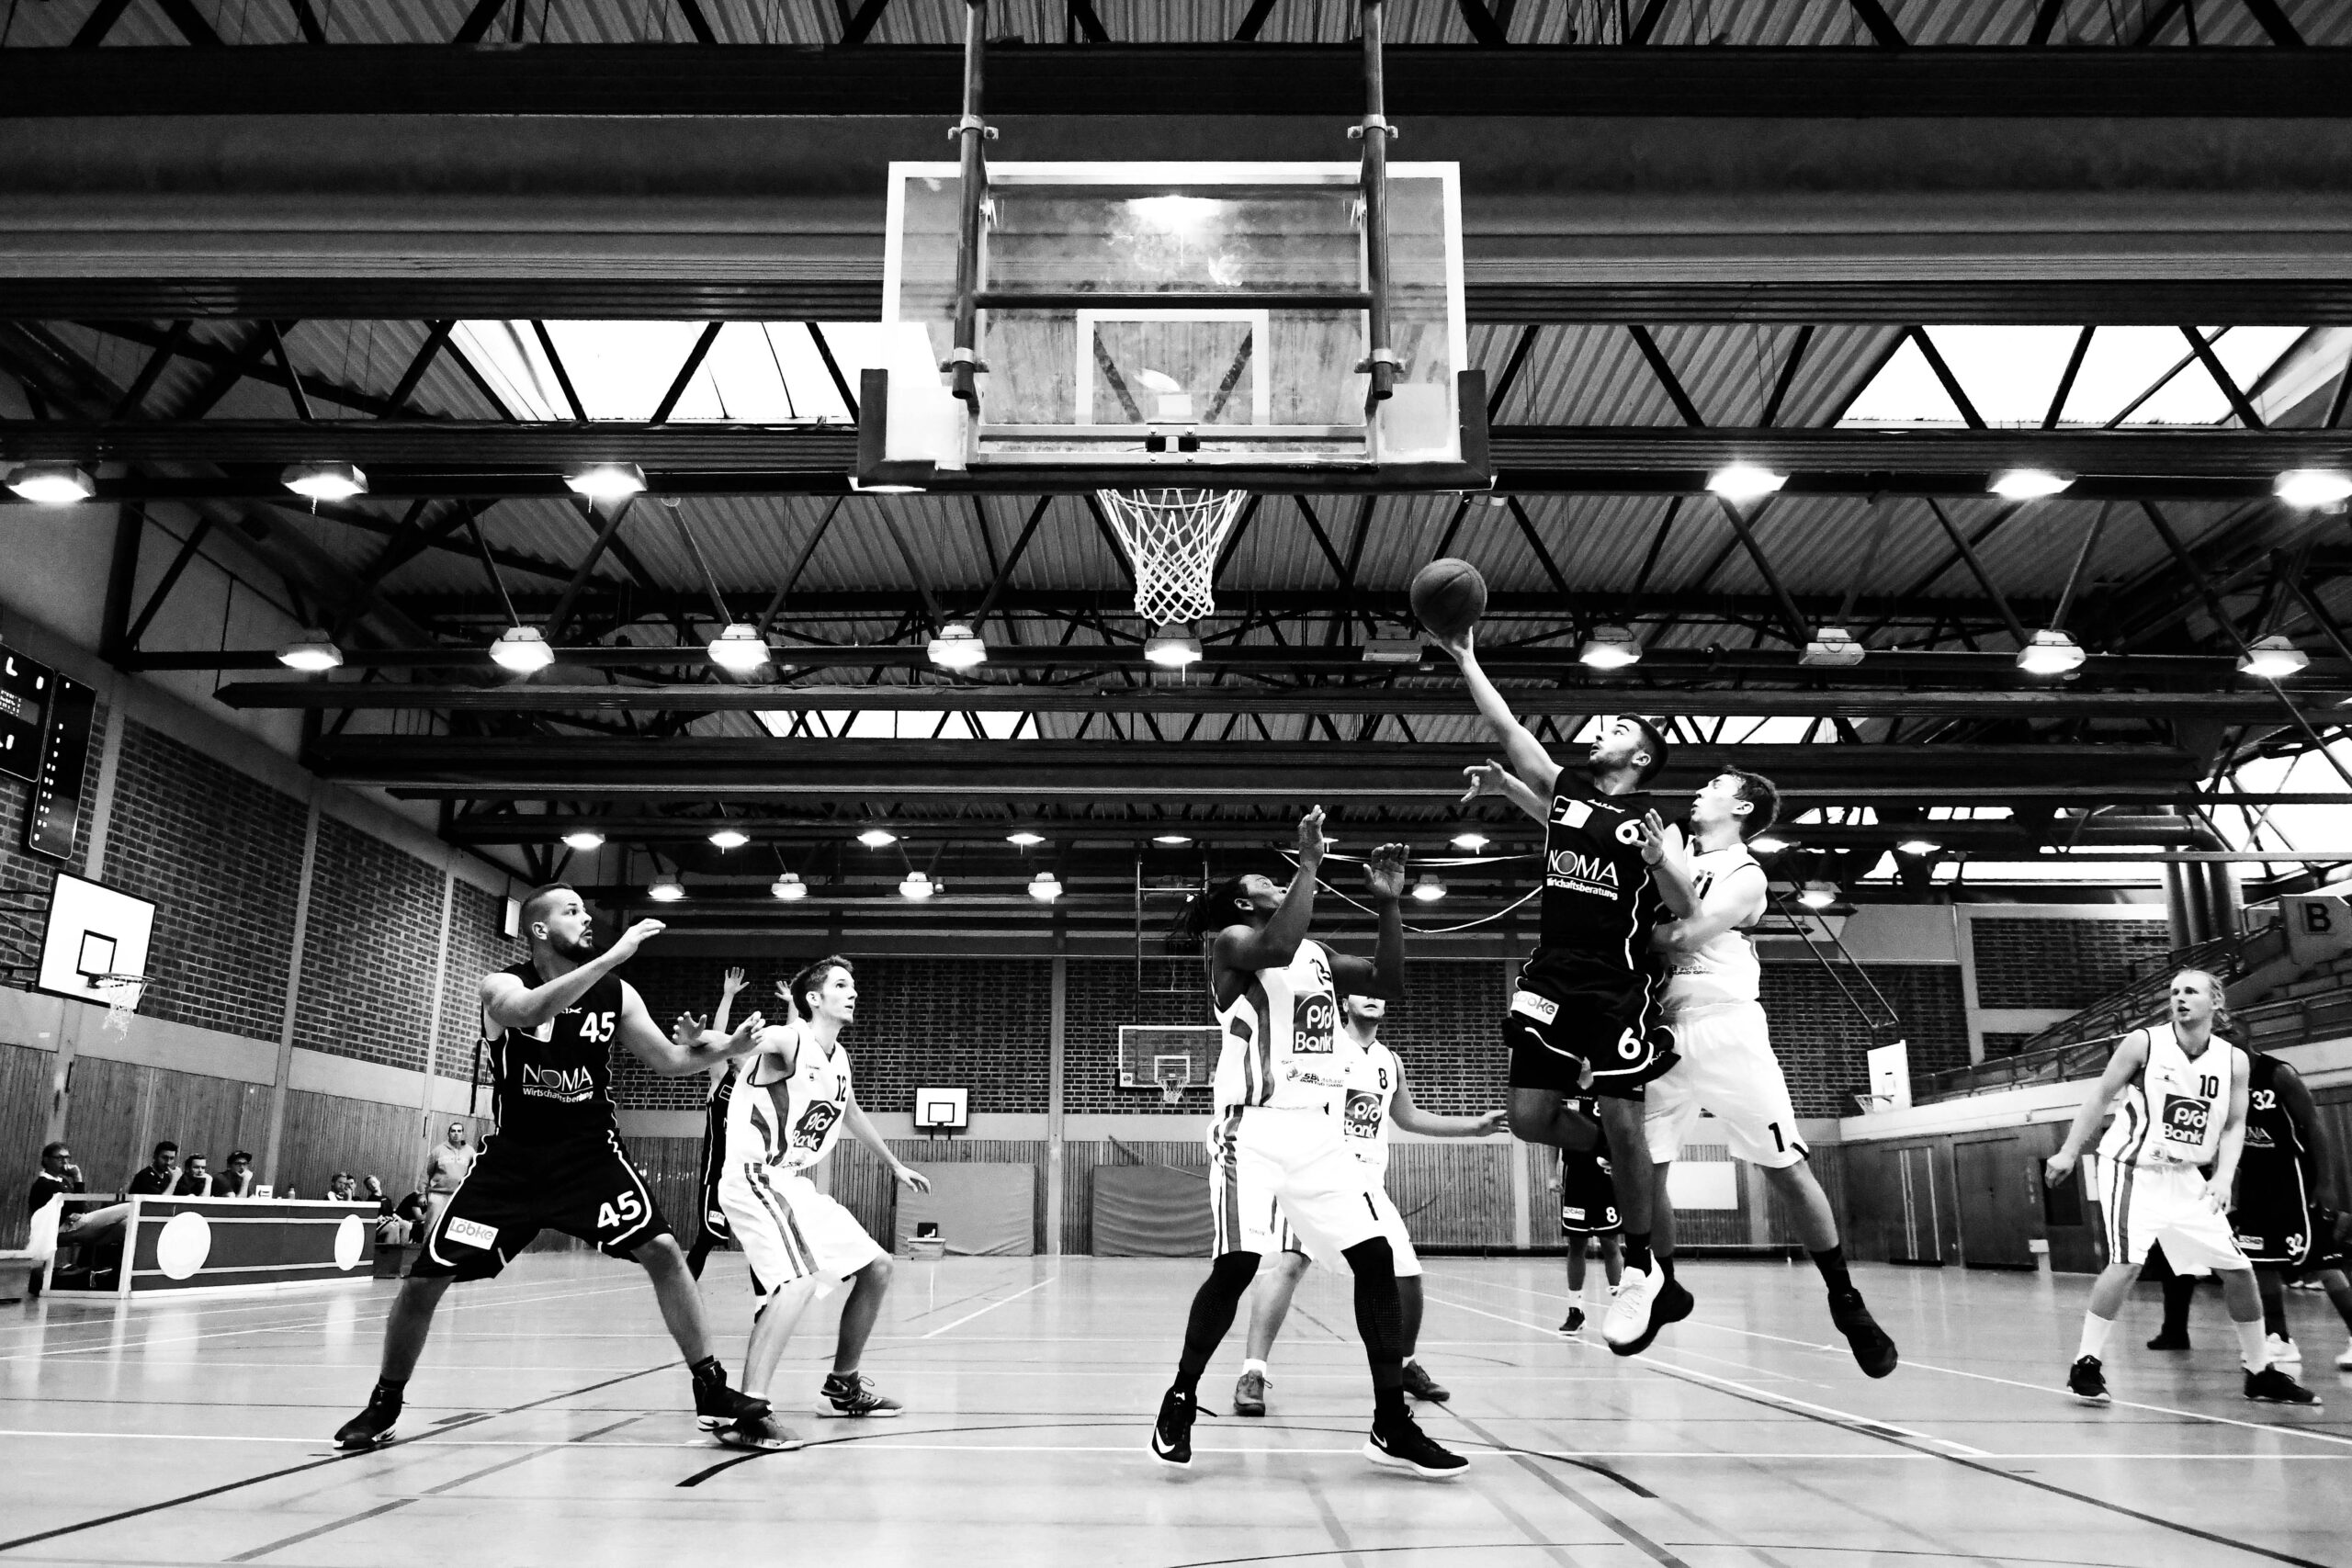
(746, 1037)
(686, 1033)
(624, 946)
(1490, 777)
(2059, 1166)
(1461, 645)
(912, 1178)
(1312, 845)
(1657, 839)
(733, 983)
(1383, 872)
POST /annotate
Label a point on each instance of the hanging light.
(1172, 647)
(584, 840)
(1832, 648)
(2030, 484)
(2052, 652)
(877, 838)
(1171, 840)
(666, 890)
(51, 484)
(1022, 838)
(917, 886)
(1921, 847)
(787, 888)
(1610, 648)
(1045, 888)
(315, 652)
(1428, 890)
(957, 647)
(740, 649)
(606, 481)
(2272, 658)
(2296, 487)
(1818, 895)
(325, 481)
(522, 649)
(1766, 844)
(1471, 843)
(730, 838)
(1745, 481)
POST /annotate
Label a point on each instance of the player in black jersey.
(714, 1135)
(1589, 994)
(2288, 1216)
(1589, 1213)
(555, 1159)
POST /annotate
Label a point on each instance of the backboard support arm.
(1380, 364)
(964, 366)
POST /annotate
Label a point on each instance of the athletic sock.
(2094, 1331)
(2180, 1291)
(1387, 1406)
(1665, 1268)
(1252, 1364)
(708, 1372)
(1637, 1250)
(2274, 1316)
(1831, 1261)
(389, 1391)
(2255, 1354)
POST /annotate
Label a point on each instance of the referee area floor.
(551, 1423)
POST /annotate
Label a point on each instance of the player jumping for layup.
(1589, 993)
(555, 1159)
(2184, 1093)
(1278, 1152)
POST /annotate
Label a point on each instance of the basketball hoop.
(1172, 538)
(122, 993)
(1175, 1076)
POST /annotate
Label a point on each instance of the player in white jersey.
(1727, 1068)
(2184, 1105)
(1278, 1151)
(1376, 1095)
(792, 1099)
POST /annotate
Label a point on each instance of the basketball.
(1448, 597)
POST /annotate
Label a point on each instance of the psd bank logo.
(809, 1132)
(1362, 1113)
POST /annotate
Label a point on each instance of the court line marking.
(990, 1307)
(1887, 1432)
(1743, 1545)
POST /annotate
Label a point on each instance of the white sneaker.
(1629, 1307)
(2283, 1352)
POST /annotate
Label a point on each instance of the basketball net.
(122, 993)
(1173, 1082)
(1172, 538)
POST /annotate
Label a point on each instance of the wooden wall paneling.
(326, 1133)
(23, 1116)
(1459, 1194)
(104, 1121)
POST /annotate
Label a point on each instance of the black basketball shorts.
(1587, 1196)
(2275, 1221)
(1623, 1033)
(515, 1190)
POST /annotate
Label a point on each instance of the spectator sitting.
(159, 1179)
(196, 1180)
(58, 1174)
(237, 1181)
(342, 1189)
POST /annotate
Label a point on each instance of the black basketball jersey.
(2272, 1139)
(554, 1084)
(1598, 905)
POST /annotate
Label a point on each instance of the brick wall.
(369, 950)
(1822, 1041)
(220, 854)
(2030, 963)
(475, 949)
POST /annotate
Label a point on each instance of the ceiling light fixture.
(957, 647)
(1610, 648)
(606, 483)
(2300, 487)
(1045, 888)
(2030, 484)
(522, 649)
(325, 481)
(1428, 890)
(730, 838)
(1471, 843)
(1918, 847)
(787, 888)
(1818, 895)
(740, 649)
(1832, 648)
(2052, 652)
(1171, 840)
(1745, 481)
(2272, 658)
(315, 652)
(877, 838)
(666, 890)
(1172, 647)
(1022, 838)
(51, 484)
(917, 886)
(584, 840)
(1767, 844)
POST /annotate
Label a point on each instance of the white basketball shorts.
(1392, 1226)
(1728, 1069)
(1273, 1170)
(2165, 1201)
(790, 1231)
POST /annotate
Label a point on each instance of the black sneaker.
(1400, 1444)
(1672, 1304)
(763, 1432)
(1573, 1322)
(2273, 1386)
(2169, 1339)
(2086, 1382)
(1420, 1385)
(1249, 1394)
(850, 1396)
(377, 1424)
(1873, 1351)
(1172, 1434)
(716, 1405)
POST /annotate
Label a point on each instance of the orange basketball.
(1448, 597)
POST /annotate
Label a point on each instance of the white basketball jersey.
(790, 1124)
(1371, 1076)
(2174, 1107)
(1724, 970)
(1279, 1048)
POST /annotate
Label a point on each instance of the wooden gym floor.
(549, 1425)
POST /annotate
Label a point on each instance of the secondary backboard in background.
(1146, 1050)
(91, 931)
(942, 1109)
(1169, 323)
